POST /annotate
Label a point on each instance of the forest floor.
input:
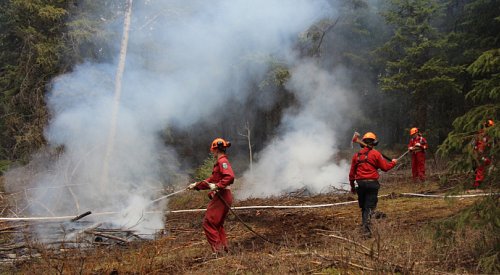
(324, 240)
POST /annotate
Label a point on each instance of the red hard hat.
(489, 123)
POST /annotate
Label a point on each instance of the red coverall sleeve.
(423, 143)
(226, 171)
(202, 185)
(352, 172)
(382, 163)
(411, 143)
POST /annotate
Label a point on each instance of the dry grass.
(402, 242)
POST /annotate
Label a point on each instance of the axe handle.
(386, 157)
(364, 144)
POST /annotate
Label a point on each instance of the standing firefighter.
(364, 170)
(417, 147)
(220, 195)
(482, 146)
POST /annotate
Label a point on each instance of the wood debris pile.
(26, 239)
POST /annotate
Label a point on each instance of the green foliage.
(485, 95)
(4, 165)
(479, 27)
(39, 40)
(205, 170)
(277, 76)
(416, 61)
(32, 47)
(486, 64)
(312, 40)
(478, 230)
(486, 70)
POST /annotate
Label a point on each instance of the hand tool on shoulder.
(356, 139)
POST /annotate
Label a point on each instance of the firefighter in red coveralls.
(417, 147)
(364, 171)
(220, 195)
(482, 145)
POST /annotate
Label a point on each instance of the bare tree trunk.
(118, 92)
(249, 140)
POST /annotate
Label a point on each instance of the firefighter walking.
(364, 172)
(481, 153)
(220, 194)
(417, 146)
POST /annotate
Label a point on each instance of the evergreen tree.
(31, 55)
(477, 31)
(485, 97)
(39, 40)
(417, 64)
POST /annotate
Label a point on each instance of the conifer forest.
(116, 115)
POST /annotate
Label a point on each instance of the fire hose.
(167, 196)
(230, 209)
(400, 157)
(253, 207)
(242, 222)
(404, 154)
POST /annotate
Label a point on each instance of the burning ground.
(318, 240)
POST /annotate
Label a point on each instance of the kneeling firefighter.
(220, 195)
(364, 171)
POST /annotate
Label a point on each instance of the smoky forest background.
(427, 64)
(196, 71)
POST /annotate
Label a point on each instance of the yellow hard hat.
(369, 135)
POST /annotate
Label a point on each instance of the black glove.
(353, 187)
(211, 195)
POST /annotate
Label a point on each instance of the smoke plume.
(301, 156)
(185, 60)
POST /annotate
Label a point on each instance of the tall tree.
(39, 40)
(416, 61)
(485, 97)
(477, 30)
(31, 47)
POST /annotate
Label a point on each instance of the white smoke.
(182, 62)
(302, 154)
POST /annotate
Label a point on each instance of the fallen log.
(108, 236)
(81, 216)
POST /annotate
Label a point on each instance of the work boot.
(367, 231)
(366, 214)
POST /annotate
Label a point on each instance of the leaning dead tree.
(118, 92)
(249, 141)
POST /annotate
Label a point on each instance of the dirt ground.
(305, 241)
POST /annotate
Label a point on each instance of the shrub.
(472, 237)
